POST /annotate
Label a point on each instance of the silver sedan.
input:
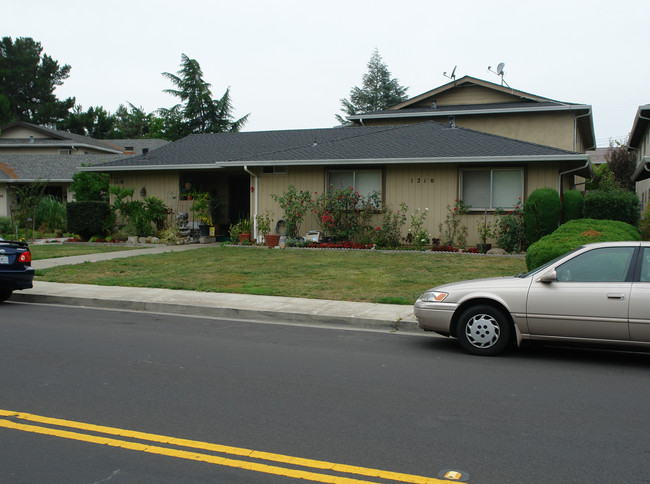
(598, 293)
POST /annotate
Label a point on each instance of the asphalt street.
(403, 403)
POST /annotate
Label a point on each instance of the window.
(363, 181)
(598, 265)
(274, 170)
(492, 188)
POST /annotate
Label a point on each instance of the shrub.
(87, 218)
(389, 233)
(51, 214)
(90, 186)
(572, 203)
(294, 205)
(6, 228)
(510, 230)
(574, 234)
(541, 213)
(618, 205)
(344, 214)
(452, 230)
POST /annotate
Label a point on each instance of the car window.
(609, 264)
(645, 266)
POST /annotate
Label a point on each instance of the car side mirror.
(548, 277)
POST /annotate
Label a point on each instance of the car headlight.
(433, 296)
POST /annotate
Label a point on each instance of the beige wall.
(4, 200)
(554, 129)
(431, 186)
(469, 95)
(20, 132)
(411, 184)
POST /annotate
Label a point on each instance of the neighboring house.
(640, 142)
(517, 143)
(29, 152)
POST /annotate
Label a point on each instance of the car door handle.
(616, 296)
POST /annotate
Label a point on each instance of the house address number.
(422, 180)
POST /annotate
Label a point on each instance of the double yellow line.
(97, 434)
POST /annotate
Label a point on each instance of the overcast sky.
(288, 63)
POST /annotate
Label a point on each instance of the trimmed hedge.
(575, 233)
(612, 205)
(541, 213)
(87, 218)
(572, 203)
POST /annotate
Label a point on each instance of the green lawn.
(52, 251)
(371, 276)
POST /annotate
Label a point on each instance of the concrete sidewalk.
(387, 317)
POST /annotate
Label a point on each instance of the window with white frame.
(492, 188)
(363, 181)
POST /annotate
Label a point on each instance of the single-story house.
(29, 152)
(524, 142)
(640, 142)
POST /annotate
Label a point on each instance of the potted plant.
(245, 228)
(485, 231)
(264, 226)
(201, 207)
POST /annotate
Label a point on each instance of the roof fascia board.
(409, 161)
(193, 166)
(73, 146)
(642, 171)
(401, 114)
(640, 122)
(31, 180)
(373, 161)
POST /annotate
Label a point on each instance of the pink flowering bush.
(345, 214)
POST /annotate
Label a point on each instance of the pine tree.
(378, 93)
(27, 82)
(200, 112)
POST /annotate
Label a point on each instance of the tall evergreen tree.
(28, 78)
(379, 90)
(200, 112)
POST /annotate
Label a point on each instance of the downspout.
(256, 200)
(575, 129)
(567, 172)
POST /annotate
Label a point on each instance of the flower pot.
(244, 236)
(272, 240)
(483, 248)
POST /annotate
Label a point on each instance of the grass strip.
(369, 276)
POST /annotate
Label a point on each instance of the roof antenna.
(452, 76)
(499, 72)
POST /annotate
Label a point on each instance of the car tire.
(483, 330)
(5, 294)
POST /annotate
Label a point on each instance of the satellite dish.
(453, 74)
(500, 68)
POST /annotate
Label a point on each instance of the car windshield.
(544, 266)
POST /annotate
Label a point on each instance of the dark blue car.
(16, 271)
